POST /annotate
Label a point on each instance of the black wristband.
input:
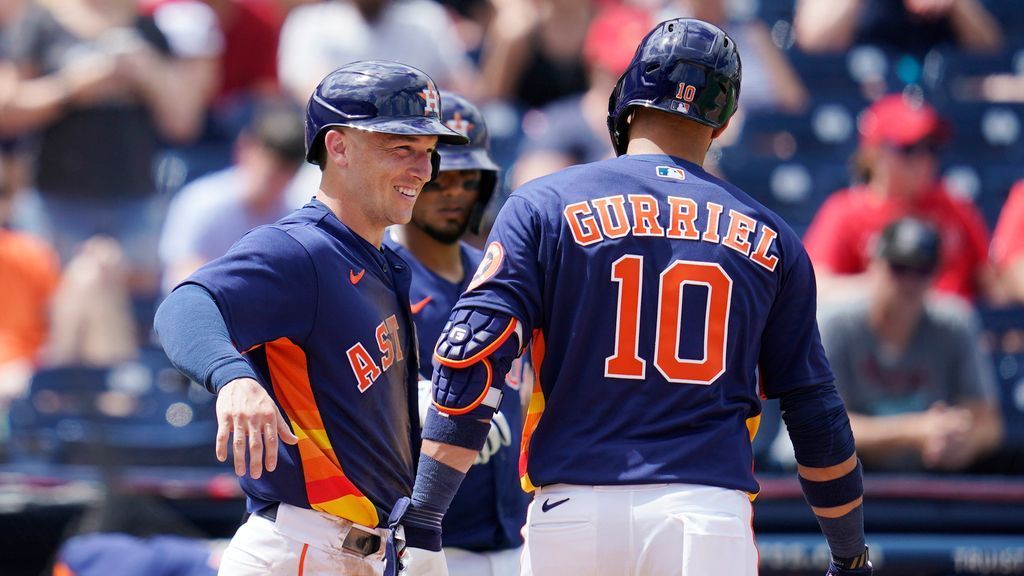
(858, 561)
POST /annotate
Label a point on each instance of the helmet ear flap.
(435, 165)
(618, 139)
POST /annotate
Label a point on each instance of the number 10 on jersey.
(626, 362)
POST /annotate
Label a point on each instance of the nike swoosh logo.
(419, 306)
(547, 505)
(355, 278)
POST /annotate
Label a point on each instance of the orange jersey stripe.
(326, 482)
(534, 412)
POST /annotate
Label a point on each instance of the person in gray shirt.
(210, 214)
(920, 390)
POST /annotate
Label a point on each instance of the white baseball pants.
(300, 542)
(639, 530)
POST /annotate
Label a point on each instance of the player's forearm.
(177, 94)
(196, 340)
(456, 457)
(987, 432)
(32, 104)
(836, 496)
(975, 29)
(879, 435)
(826, 25)
(830, 474)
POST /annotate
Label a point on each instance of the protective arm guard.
(473, 354)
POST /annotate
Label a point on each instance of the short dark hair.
(279, 129)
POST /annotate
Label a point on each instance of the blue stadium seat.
(1009, 15)
(989, 133)
(141, 413)
(1004, 334)
(794, 189)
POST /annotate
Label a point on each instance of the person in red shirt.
(899, 174)
(1008, 244)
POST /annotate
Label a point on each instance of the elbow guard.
(473, 354)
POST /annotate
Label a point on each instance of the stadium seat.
(1003, 330)
(141, 413)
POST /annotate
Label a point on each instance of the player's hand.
(929, 9)
(499, 436)
(420, 562)
(401, 559)
(248, 414)
(859, 565)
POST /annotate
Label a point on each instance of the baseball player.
(482, 530)
(303, 331)
(660, 302)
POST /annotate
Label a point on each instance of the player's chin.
(400, 214)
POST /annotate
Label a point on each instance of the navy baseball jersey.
(662, 302)
(323, 317)
(489, 510)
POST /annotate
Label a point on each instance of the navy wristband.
(832, 493)
(463, 432)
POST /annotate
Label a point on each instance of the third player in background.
(482, 533)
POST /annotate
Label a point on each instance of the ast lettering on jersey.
(363, 366)
(606, 218)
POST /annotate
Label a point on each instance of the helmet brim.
(412, 126)
(465, 158)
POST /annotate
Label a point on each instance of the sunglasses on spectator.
(927, 146)
(910, 271)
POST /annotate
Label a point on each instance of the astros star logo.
(459, 125)
(432, 100)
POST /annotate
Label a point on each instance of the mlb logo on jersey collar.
(670, 172)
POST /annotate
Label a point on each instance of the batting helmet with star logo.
(377, 96)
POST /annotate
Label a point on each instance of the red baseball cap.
(613, 36)
(896, 119)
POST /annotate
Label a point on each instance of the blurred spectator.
(91, 313)
(1008, 244)
(82, 316)
(574, 130)
(12, 164)
(103, 554)
(319, 37)
(919, 389)
(898, 174)
(531, 55)
(247, 64)
(103, 86)
(213, 212)
(769, 81)
(29, 273)
(909, 26)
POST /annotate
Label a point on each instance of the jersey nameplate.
(607, 218)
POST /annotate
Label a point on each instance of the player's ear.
(336, 147)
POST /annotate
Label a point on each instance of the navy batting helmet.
(376, 96)
(463, 117)
(685, 67)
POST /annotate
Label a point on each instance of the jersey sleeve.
(791, 352)
(265, 287)
(510, 278)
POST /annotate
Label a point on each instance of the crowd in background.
(139, 140)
